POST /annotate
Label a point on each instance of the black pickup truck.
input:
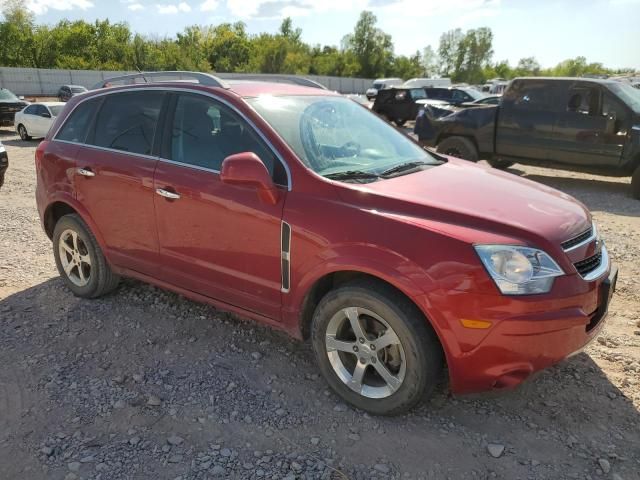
(580, 124)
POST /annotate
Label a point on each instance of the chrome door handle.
(167, 194)
(85, 172)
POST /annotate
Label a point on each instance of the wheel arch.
(331, 280)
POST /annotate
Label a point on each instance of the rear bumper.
(519, 345)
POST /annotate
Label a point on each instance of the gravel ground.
(146, 384)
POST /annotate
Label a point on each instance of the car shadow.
(611, 195)
(64, 344)
(16, 142)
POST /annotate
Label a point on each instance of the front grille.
(577, 240)
(588, 265)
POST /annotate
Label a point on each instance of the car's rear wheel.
(458, 147)
(499, 163)
(635, 184)
(22, 131)
(375, 348)
(79, 259)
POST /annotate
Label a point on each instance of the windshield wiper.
(352, 175)
(403, 167)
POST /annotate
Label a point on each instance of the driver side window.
(612, 108)
(205, 132)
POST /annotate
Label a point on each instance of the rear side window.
(76, 125)
(128, 121)
(534, 95)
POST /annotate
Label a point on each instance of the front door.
(592, 128)
(218, 240)
(114, 177)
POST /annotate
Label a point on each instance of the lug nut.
(372, 346)
(355, 348)
(363, 360)
(373, 359)
(361, 340)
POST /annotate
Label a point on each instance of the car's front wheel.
(80, 260)
(22, 131)
(460, 147)
(374, 348)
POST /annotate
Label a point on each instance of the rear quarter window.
(76, 125)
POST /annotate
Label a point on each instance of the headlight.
(519, 270)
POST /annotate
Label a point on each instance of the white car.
(35, 120)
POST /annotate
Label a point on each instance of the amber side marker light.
(477, 324)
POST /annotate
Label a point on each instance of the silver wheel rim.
(74, 257)
(23, 132)
(365, 352)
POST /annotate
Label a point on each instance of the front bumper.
(534, 337)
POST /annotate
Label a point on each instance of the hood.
(482, 198)
(428, 101)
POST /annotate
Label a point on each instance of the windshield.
(628, 94)
(7, 95)
(378, 86)
(418, 93)
(78, 89)
(55, 109)
(332, 134)
(472, 92)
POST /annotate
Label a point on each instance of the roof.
(572, 79)
(73, 86)
(48, 104)
(254, 89)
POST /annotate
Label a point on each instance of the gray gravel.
(146, 384)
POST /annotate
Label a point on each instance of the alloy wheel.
(365, 352)
(23, 132)
(75, 258)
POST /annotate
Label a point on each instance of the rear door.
(219, 240)
(114, 177)
(526, 118)
(591, 129)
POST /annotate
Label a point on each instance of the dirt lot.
(146, 384)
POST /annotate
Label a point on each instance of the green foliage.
(366, 52)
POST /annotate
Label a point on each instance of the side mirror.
(247, 170)
(45, 115)
(611, 127)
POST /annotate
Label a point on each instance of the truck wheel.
(458, 147)
(399, 122)
(79, 259)
(374, 348)
(635, 184)
(499, 164)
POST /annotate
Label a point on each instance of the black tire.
(101, 279)
(22, 131)
(499, 163)
(400, 122)
(635, 184)
(423, 357)
(459, 147)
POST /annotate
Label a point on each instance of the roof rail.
(159, 77)
(273, 78)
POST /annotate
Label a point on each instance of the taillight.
(40, 153)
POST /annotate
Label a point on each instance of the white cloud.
(209, 5)
(171, 9)
(42, 6)
(134, 7)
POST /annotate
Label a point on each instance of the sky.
(606, 31)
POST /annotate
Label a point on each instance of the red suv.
(301, 209)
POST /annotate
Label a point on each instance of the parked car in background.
(4, 163)
(391, 259)
(9, 105)
(455, 95)
(381, 83)
(36, 119)
(68, 91)
(589, 125)
(399, 104)
(427, 82)
(488, 100)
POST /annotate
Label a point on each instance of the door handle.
(85, 172)
(167, 194)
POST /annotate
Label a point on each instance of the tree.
(430, 62)
(408, 67)
(371, 47)
(228, 47)
(527, 66)
(463, 56)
